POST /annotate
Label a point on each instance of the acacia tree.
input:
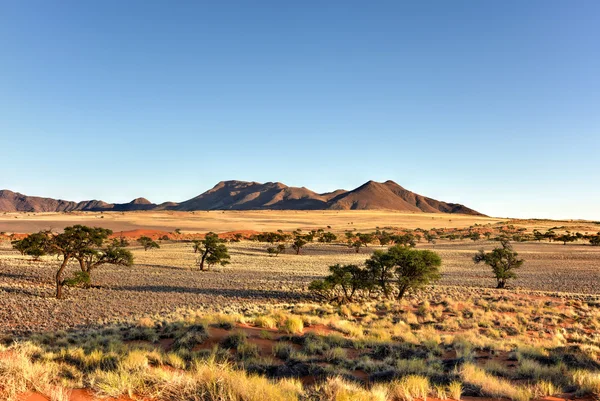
(275, 251)
(413, 269)
(213, 251)
(381, 270)
(564, 238)
(595, 240)
(365, 239)
(405, 239)
(407, 268)
(342, 284)
(147, 243)
(84, 244)
(327, 237)
(32, 245)
(538, 236)
(503, 262)
(299, 242)
(94, 253)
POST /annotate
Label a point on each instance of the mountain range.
(243, 195)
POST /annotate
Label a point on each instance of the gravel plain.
(166, 280)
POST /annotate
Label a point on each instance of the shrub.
(293, 325)
(283, 350)
(455, 390)
(147, 243)
(266, 322)
(409, 388)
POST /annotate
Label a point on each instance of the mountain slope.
(243, 195)
(16, 202)
(389, 195)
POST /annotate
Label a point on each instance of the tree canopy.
(503, 261)
(82, 243)
(213, 250)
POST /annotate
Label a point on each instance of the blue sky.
(492, 104)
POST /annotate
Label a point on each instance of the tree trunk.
(401, 292)
(202, 261)
(82, 265)
(501, 284)
(59, 281)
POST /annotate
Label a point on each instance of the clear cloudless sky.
(493, 104)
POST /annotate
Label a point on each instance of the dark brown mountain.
(16, 202)
(389, 195)
(242, 195)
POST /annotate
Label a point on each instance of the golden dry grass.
(224, 221)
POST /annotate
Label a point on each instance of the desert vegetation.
(414, 314)
(445, 344)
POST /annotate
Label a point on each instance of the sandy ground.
(223, 221)
(269, 220)
(166, 279)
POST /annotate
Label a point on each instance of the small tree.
(381, 270)
(430, 237)
(405, 240)
(365, 239)
(550, 234)
(595, 240)
(384, 237)
(84, 244)
(475, 236)
(538, 236)
(342, 284)
(327, 237)
(503, 261)
(564, 238)
(276, 250)
(121, 242)
(147, 243)
(299, 242)
(213, 250)
(414, 268)
(356, 244)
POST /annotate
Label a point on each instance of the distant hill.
(243, 195)
(16, 202)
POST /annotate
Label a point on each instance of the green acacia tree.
(564, 238)
(381, 270)
(503, 261)
(342, 284)
(93, 251)
(33, 245)
(147, 243)
(276, 250)
(327, 237)
(81, 243)
(413, 269)
(213, 250)
(299, 242)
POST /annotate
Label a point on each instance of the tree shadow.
(24, 291)
(225, 292)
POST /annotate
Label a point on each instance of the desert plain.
(254, 326)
